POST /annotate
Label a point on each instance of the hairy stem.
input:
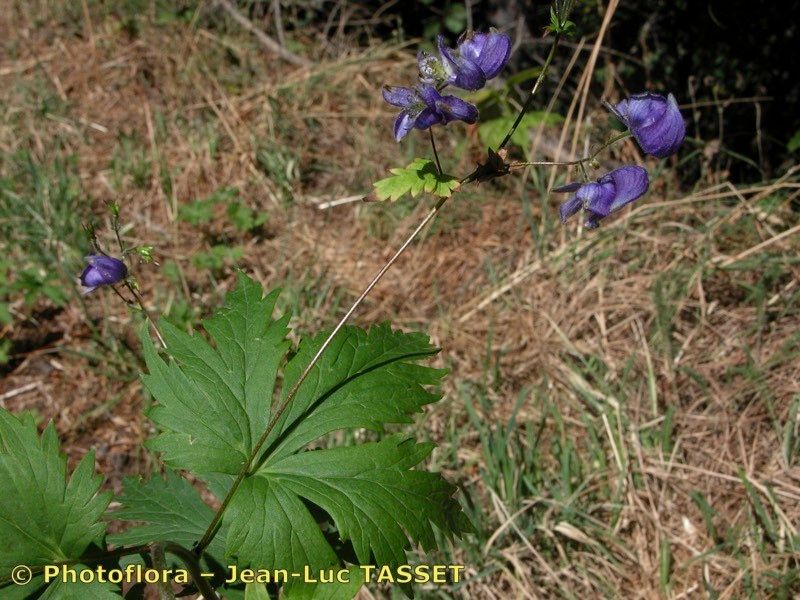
(160, 562)
(435, 153)
(146, 312)
(128, 284)
(569, 163)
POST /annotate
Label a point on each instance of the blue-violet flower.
(655, 122)
(610, 193)
(424, 107)
(102, 270)
(477, 58)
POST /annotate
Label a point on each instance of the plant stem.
(128, 284)
(189, 558)
(435, 153)
(212, 528)
(146, 312)
(160, 562)
(568, 163)
(535, 88)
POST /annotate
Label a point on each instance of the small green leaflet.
(420, 176)
(493, 131)
(213, 400)
(45, 517)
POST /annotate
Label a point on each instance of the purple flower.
(477, 58)
(655, 122)
(610, 193)
(424, 107)
(102, 270)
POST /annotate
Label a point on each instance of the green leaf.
(68, 590)
(216, 257)
(373, 494)
(245, 218)
(45, 517)
(334, 590)
(358, 367)
(256, 591)
(794, 143)
(171, 508)
(5, 314)
(421, 175)
(201, 212)
(493, 131)
(213, 401)
(5, 349)
(269, 525)
(198, 212)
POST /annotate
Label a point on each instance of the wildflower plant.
(240, 409)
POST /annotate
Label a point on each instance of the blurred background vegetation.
(623, 409)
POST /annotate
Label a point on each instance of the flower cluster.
(655, 122)
(477, 58)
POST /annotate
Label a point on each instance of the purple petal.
(402, 125)
(102, 270)
(427, 118)
(401, 97)
(665, 136)
(569, 208)
(428, 94)
(655, 121)
(456, 109)
(469, 76)
(642, 110)
(489, 51)
(616, 189)
(461, 72)
(570, 187)
(631, 182)
(597, 197)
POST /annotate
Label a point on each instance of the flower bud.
(654, 121)
(102, 270)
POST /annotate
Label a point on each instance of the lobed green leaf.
(45, 516)
(297, 507)
(420, 176)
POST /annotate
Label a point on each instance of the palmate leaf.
(420, 176)
(45, 517)
(214, 399)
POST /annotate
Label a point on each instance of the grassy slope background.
(622, 412)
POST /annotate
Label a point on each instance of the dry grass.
(671, 334)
